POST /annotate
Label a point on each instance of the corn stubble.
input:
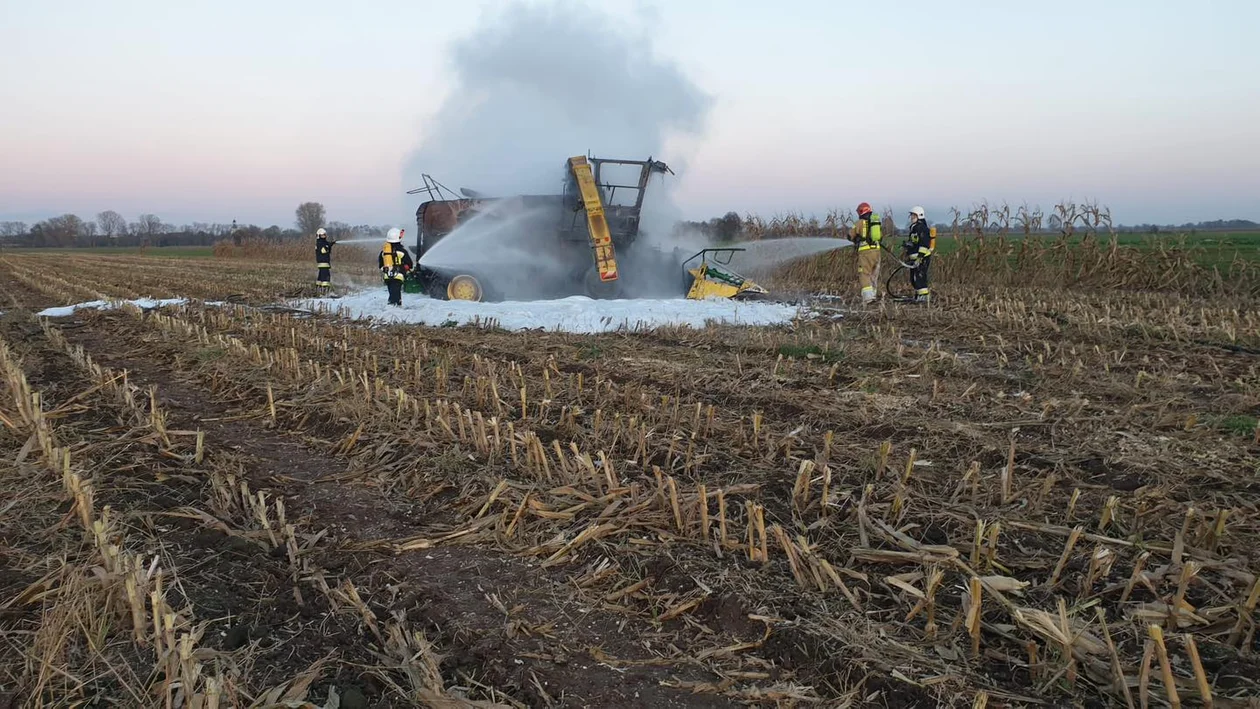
(1000, 499)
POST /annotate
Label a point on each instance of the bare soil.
(531, 502)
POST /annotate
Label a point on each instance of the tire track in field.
(450, 589)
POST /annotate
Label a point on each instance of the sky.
(213, 111)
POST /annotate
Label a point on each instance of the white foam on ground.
(142, 303)
(575, 314)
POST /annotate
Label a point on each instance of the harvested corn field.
(1021, 497)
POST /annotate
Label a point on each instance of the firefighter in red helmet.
(866, 236)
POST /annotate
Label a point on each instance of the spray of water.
(768, 254)
(509, 247)
(536, 83)
(362, 240)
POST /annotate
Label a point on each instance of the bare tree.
(111, 223)
(87, 233)
(12, 229)
(147, 225)
(58, 231)
(340, 230)
(310, 217)
(728, 226)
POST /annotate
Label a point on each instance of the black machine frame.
(623, 220)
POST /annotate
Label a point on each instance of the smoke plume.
(537, 83)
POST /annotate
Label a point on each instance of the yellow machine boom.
(601, 239)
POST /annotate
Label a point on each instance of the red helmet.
(864, 209)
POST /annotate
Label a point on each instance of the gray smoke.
(537, 83)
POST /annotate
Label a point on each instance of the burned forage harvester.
(588, 234)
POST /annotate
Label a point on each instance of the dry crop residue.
(1023, 494)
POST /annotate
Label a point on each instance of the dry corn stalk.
(1165, 666)
(1200, 677)
(1138, 566)
(1068, 657)
(1008, 473)
(1049, 628)
(1188, 572)
(1246, 611)
(702, 499)
(972, 622)
(1117, 669)
(1063, 559)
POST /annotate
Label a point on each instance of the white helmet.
(917, 211)
(394, 236)
(321, 232)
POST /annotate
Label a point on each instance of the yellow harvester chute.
(601, 239)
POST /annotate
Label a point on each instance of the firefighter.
(323, 260)
(394, 262)
(918, 253)
(866, 235)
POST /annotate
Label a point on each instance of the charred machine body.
(583, 241)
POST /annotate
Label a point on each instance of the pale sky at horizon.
(210, 111)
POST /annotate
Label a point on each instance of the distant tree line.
(111, 229)
(722, 229)
(1215, 225)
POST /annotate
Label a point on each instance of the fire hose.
(901, 266)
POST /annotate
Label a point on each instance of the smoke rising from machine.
(531, 86)
(536, 83)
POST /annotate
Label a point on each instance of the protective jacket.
(919, 240)
(323, 253)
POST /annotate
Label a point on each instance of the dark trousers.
(395, 287)
(324, 278)
(919, 276)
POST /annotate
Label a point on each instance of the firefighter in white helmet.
(395, 263)
(918, 253)
(323, 259)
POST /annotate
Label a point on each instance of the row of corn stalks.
(616, 504)
(114, 586)
(254, 515)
